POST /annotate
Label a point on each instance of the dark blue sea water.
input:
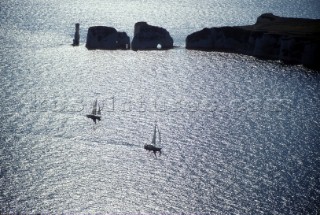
(239, 135)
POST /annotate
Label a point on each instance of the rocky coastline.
(290, 40)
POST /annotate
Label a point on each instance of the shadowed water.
(239, 135)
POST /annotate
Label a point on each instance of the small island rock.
(76, 35)
(148, 37)
(102, 37)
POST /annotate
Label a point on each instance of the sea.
(239, 135)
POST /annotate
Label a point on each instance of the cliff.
(291, 40)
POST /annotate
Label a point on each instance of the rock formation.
(291, 40)
(102, 37)
(76, 35)
(148, 37)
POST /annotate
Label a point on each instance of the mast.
(159, 136)
(154, 135)
(99, 110)
(94, 110)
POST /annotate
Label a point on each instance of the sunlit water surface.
(239, 135)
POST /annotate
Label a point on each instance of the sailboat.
(152, 146)
(95, 114)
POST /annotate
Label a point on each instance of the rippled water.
(239, 135)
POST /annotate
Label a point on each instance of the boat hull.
(94, 117)
(153, 148)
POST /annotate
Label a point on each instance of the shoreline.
(293, 41)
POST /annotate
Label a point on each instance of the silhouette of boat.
(152, 147)
(95, 114)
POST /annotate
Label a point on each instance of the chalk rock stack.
(76, 35)
(102, 37)
(148, 37)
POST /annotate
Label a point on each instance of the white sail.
(159, 136)
(94, 109)
(99, 110)
(154, 135)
